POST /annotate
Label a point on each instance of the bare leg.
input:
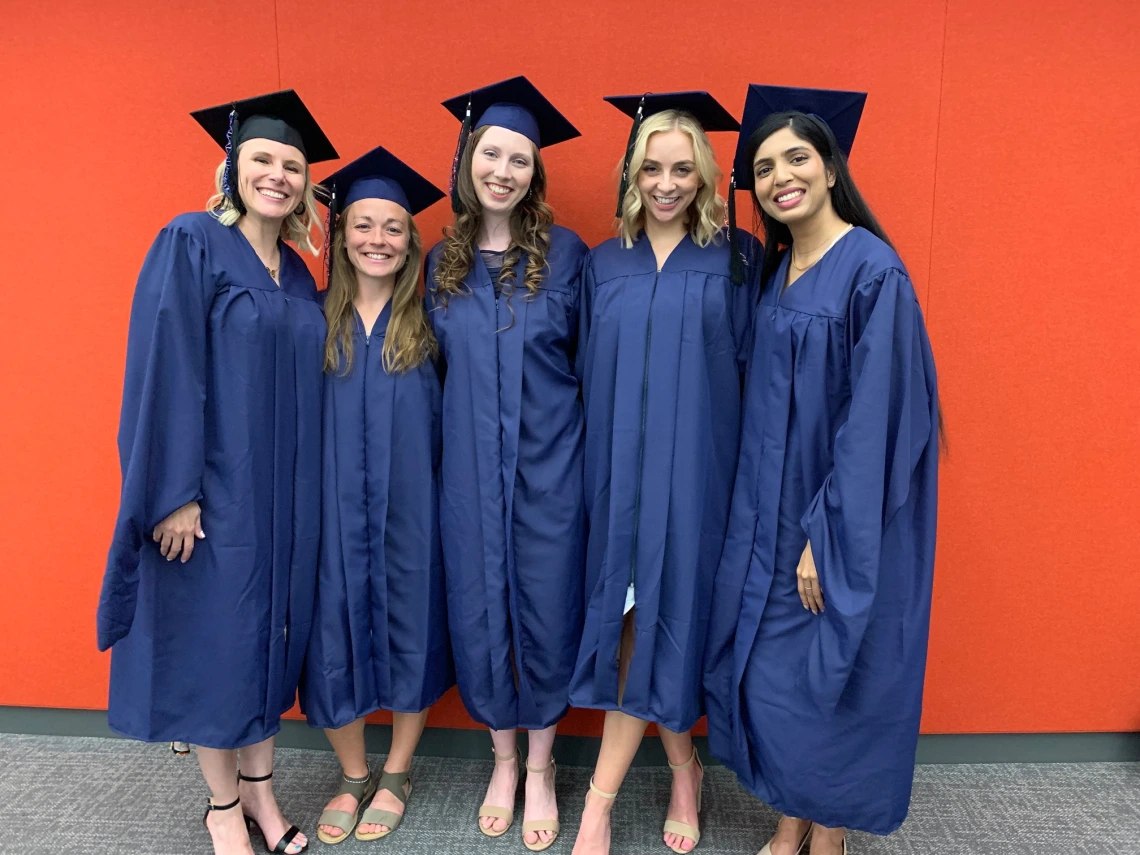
(504, 779)
(257, 798)
(348, 743)
(621, 735)
(406, 731)
(686, 785)
(227, 827)
(540, 797)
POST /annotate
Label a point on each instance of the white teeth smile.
(498, 189)
(377, 256)
(666, 200)
(794, 194)
(272, 194)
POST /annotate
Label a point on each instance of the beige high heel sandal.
(541, 824)
(767, 850)
(602, 793)
(494, 811)
(683, 828)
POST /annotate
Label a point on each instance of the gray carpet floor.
(114, 797)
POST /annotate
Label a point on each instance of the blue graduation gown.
(511, 508)
(380, 630)
(221, 403)
(663, 355)
(818, 715)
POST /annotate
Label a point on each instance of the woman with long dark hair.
(380, 630)
(219, 442)
(817, 649)
(503, 293)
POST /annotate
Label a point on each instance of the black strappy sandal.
(210, 807)
(282, 847)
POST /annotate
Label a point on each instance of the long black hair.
(845, 196)
(846, 199)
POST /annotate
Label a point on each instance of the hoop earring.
(300, 210)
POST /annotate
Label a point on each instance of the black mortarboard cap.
(699, 104)
(278, 116)
(838, 109)
(379, 174)
(514, 104)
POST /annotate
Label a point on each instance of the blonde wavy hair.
(408, 341)
(530, 232)
(708, 205)
(304, 229)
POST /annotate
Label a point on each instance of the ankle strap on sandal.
(687, 763)
(598, 792)
(363, 780)
(242, 777)
(535, 771)
(211, 806)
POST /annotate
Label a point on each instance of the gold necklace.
(833, 242)
(272, 271)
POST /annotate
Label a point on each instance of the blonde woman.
(503, 290)
(662, 347)
(219, 441)
(379, 636)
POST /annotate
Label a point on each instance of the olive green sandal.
(393, 782)
(362, 790)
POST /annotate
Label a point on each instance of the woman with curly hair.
(503, 301)
(664, 339)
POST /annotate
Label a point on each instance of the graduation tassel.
(227, 174)
(330, 222)
(736, 257)
(623, 185)
(464, 133)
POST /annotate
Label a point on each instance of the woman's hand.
(177, 532)
(807, 581)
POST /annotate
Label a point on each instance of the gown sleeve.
(877, 449)
(161, 425)
(585, 307)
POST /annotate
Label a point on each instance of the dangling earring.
(300, 210)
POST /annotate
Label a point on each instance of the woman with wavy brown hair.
(379, 638)
(503, 299)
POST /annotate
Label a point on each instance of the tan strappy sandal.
(393, 782)
(594, 789)
(672, 826)
(494, 811)
(767, 850)
(362, 791)
(541, 824)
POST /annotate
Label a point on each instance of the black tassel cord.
(464, 133)
(623, 186)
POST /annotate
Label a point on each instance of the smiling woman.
(662, 348)
(512, 462)
(821, 607)
(219, 442)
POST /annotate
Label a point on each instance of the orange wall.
(999, 147)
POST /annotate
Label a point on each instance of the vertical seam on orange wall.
(937, 146)
(277, 43)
